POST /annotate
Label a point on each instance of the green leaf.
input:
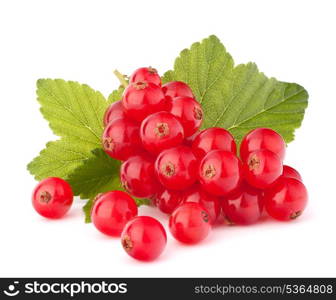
(75, 113)
(73, 110)
(59, 159)
(141, 201)
(87, 210)
(98, 174)
(116, 95)
(238, 98)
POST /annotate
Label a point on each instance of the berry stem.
(122, 78)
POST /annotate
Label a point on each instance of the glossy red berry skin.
(189, 112)
(142, 99)
(161, 131)
(291, 173)
(211, 203)
(146, 74)
(286, 199)
(121, 139)
(168, 200)
(262, 168)
(213, 139)
(175, 89)
(144, 238)
(262, 138)
(111, 211)
(190, 223)
(220, 172)
(138, 177)
(113, 112)
(52, 198)
(243, 206)
(176, 168)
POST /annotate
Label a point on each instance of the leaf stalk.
(122, 78)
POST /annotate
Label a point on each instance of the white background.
(85, 41)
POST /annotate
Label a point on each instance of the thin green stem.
(122, 78)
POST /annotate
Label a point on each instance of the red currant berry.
(213, 139)
(190, 223)
(243, 206)
(175, 89)
(209, 202)
(161, 131)
(142, 99)
(189, 112)
(113, 112)
(262, 138)
(144, 238)
(286, 199)
(168, 200)
(121, 139)
(291, 172)
(262, 168)
(220, 172)
(111, 211)
(52, 198)
(138, 177)
(176, 168)
(146, 74)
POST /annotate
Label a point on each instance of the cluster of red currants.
(194, 176)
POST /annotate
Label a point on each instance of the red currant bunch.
(196, 177)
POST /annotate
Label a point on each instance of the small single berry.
(168, 200)
(161, 131)
(243, 206)
(144, 238)
(291, 172)
(175, 89)
(52, 198)
(176, 168)
(220, 172)
(286, 199)
(262, 168)
(190, 223)
(189, 112)
(209, 202)
(262, 138)
(146, 74)
(142, 99)
(121, 139)
(113, 112)
(138, 177)
(213, 139)
(111, 211)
